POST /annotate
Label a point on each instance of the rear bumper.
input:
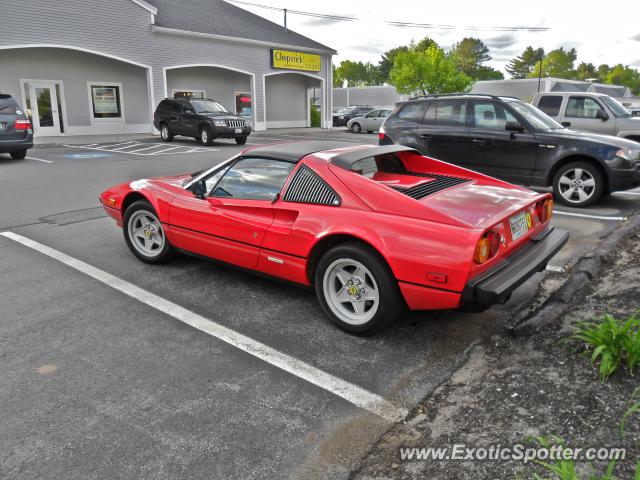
(15, 145)
(496, 285)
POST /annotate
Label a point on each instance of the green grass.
(611, 342)
(634, 408)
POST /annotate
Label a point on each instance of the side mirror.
(513, 127)
(566, 124)
(199, 189)
(602, 115)
(188, 111)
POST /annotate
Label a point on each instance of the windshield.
(536, 118)
(344, 111)
(616, 108)
(208, 106)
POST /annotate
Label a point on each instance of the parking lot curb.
(584, 271)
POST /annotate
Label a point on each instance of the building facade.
(87, 67)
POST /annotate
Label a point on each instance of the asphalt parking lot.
(104, 378)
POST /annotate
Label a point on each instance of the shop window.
(106, 101)
(244, 106)
(189, 94)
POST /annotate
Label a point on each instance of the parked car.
(343, 116)
(513, 140)
(589, 112)
(203, 119)
(16, 134)
(370, 122)
(371, 229)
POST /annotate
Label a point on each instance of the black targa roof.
(296, 151)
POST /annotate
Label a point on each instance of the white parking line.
(39, 159)
(133, 145)
(629, 193)
(341, 388)
(586, 215)
(555, 268)
(125, 149)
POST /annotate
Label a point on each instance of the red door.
(227, 229)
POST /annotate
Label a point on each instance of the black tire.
(571, 194)
(206, 137)
(164, 254)
(19, 155)
(390, 306)
(241, 140)
(165, 133)
(355, 127)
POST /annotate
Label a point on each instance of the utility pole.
(539, 73)
(285, 18)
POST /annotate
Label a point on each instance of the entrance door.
(44, 108)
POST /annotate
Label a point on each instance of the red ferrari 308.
(372, 229)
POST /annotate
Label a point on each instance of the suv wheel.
(165, 133)
(357, 290)
(355, 127)
(19, 155)
(578, 184)
(206, 138)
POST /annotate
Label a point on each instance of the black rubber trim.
(346, 160)
(496, 285)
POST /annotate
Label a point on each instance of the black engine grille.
(235, 123)
(420, 191)
(307, 187)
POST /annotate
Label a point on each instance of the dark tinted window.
(167, 106)
(412, 111)
(8, 105)
(430, 115)
(451, 113)
(550, 104)
(254, 179)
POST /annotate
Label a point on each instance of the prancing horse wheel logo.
(352, 290)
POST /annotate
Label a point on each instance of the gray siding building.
(85, 67)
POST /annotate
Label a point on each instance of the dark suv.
(510, 139)
(200, 118)
(16, 134)
(342, 116)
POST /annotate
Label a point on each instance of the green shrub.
(610, 341)
(315, 116)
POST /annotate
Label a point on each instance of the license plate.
(238, 130)
(519, 225)
(3, 125)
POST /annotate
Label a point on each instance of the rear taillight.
(487, 247)
(381, 133)
(544, 210)
(23, 125)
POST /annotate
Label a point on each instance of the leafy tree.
(586, 71)
(431, 71)
(603, 71)
(386, 62)
(623, 75)
(470, 53)
(424, 44)
(557, 63)
(522, 66)
(358, 74)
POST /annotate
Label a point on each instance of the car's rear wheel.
(145, 235)
(578, 184)
(165, 133)
(19, 155)
(241, 140)
(355, 127)
(206, 138)
(357, 290)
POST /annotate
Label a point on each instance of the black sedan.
(342, 117)
(16, 134)
(510, 139)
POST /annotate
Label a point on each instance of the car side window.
(253, 179)
(373, 114)
(412, 111)
(384, 113)
(582, 107)
(430, 115)
(451, 113)
(550, 104)
(490, 115)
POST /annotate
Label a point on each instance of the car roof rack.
(440, 95)
(348, 159)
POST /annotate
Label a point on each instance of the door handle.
(479, 141)
(425, 136)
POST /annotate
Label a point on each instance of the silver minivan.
(590, 112)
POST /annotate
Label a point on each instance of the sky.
(608, 33)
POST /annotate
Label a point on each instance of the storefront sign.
(243, 104)
(295, 60)
(106, 101)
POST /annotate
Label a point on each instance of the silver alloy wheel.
(146, 233)
(164, 132)
(577, 185)
(355, 127)
(351, 291)
(204, 136)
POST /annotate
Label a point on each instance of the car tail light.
(23, 125)
(544, 210)
(487, 247)
(381, 133)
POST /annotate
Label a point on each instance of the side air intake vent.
(420, 191)
(307, 187)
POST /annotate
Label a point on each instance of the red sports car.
(372, 229)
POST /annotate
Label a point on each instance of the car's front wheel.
(206, 138)
(145, 235)
(357, 290)
(165, 133)
(578, 184)
(241, 140)
(355, 127)
(19, 155)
